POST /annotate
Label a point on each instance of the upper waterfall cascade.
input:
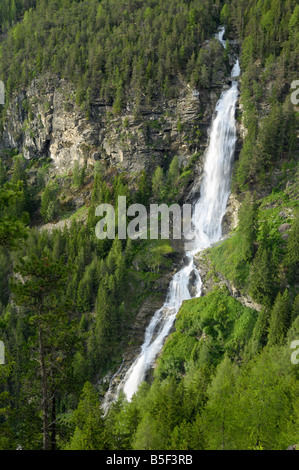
(208, 214)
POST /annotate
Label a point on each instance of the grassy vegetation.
(206, 328)
(227, 259)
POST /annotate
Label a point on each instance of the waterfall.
(220, 34)
(160, 325)
(207, 221)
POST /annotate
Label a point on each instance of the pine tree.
(144, 191)
(217, 416)
(83, 296)
(262, 407)
(51, 211)
(7, 439)
(89, 422)
(247, 226)
(261, 280)
(18, 171)
(100, 340)
(2, 173)
(12, 230)
(49, 205)
(174, 171)
(158, 184)
(224, 14)
(41, 292)
(147, 436)
(291, 260)
(260, 333)
(280, 319)
(78, 175)
(116, 261)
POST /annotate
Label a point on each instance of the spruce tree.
(49, 205)
(158, 184)
(260, 334)
(261, 279)
(280, 319)
(144, 191)
(247, 226)
(217, 416)
(89, 422)
(2, 173)
(41, 292)
(173, 172)
(291, 260)
(12, 230)
(83, 296)
(18, 171)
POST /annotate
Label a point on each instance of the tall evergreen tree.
(280, 319)
(41, 292)
(247, 226)
(261, 280)
(158, 184)
(291, 259)
(217, 416)
(89, 422)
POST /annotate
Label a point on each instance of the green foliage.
(18, 170)
(292, 255)
(88, 422)
(104, 54)
(7, 439)
(78, 175)
(41, 292)
(147, 435)
(266, 78)
(228, 258)
(265, 397)
(224, 14)
(205, 329)
(247, 226)
(158, 184)
(155, 256)
(259, 336)
(247, 51)
(12, 230)
(262, 277)
(294, 21)
(144, 190)
(218, 414)
(173, 171)
(12, 10)
(279, 319)
(49, 204)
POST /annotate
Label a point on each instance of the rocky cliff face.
(43, 121)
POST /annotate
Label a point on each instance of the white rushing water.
(207, 221)
(160, 325)
(220, 34)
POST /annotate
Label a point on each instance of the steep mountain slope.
(227, 377)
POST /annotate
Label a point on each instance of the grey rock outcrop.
(44, 121)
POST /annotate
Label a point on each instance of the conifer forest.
(150, 342)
